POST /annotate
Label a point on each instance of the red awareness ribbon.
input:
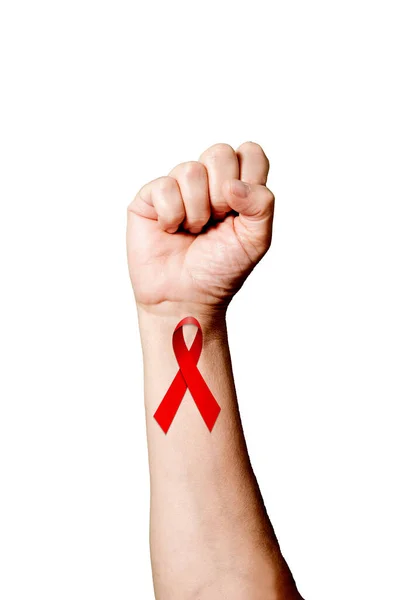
(190, 377)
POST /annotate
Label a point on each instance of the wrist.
(166, 315)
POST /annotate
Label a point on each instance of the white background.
(97, 99)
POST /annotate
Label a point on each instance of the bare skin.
(193, 237)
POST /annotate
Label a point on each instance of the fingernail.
(171, 230)
(240, 189)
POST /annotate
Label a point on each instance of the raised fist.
(194, 235)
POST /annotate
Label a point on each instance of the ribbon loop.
(188, 377)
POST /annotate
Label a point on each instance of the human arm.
(210, 535)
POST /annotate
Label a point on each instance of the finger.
(221, 163)
(255, 205)
(193, 183)
(253, 163)
(161, 199)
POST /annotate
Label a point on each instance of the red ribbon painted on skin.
(190, 377)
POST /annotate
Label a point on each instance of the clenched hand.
(195, 234)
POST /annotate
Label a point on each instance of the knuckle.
(193, 168)
(256, 150)
(166, 184)
(269, 198)
(218, 151)
(138, 197)
(253, 147)
(190, 169)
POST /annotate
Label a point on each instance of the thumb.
(255, 205)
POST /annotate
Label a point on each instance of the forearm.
(209, 531)
(193, 237)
